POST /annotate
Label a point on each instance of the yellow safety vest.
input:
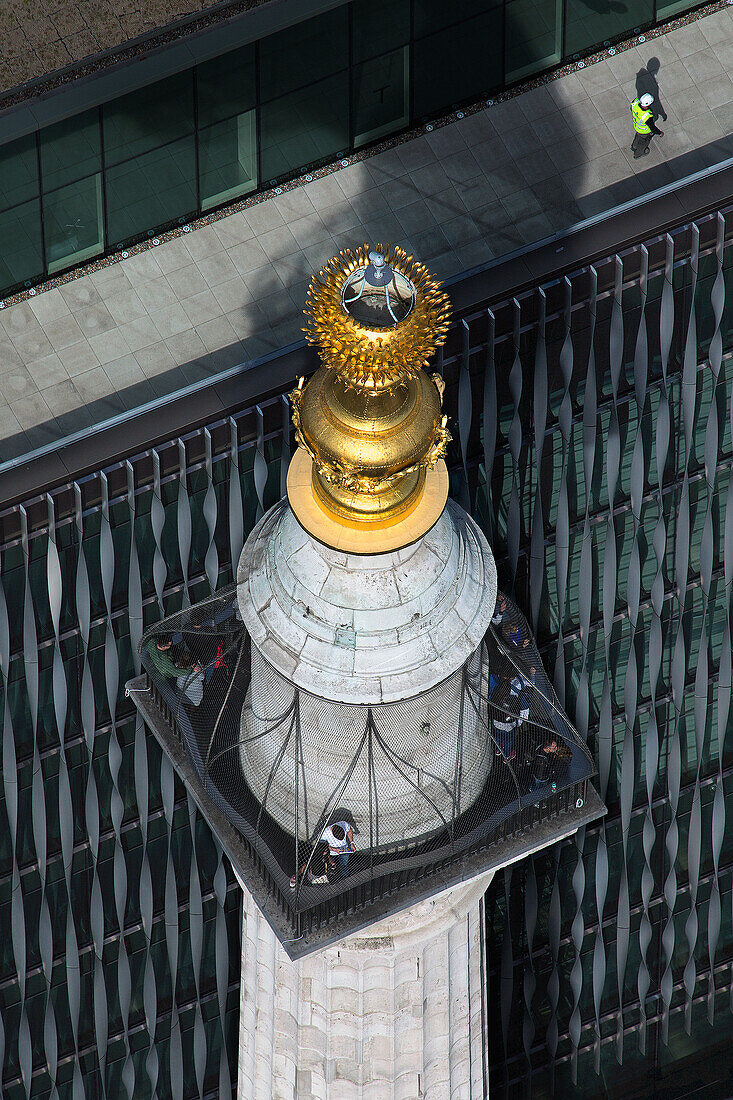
(641, 118)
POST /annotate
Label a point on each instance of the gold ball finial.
(369, 472)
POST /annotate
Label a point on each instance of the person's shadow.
(646, 84)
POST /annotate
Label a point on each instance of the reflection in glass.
(533, 32)
(305, 127)
(70, 150)
(589, 22)
(379, 26)
(149, 117)
(151, 190)
(226, 86)
(73, 223)
(303, 53)
(434, 15)
(18, 171)
(665, 8)
(458, 64)
(381, 96)
(228, 159)
(21, 257)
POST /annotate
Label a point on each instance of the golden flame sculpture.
(369, 357)
(369, 475)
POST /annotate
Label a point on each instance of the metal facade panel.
(626, 928)
(635, 563)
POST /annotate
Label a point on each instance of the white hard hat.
(646, 100)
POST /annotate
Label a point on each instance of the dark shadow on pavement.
(521, 213)
(646, 84)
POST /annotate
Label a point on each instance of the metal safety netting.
(335, 797)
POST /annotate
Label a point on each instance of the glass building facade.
(610, 959)
(268, 111)
(599, 406)
(121, 917)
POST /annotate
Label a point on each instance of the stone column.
(395, 1012)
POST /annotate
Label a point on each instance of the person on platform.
(500, 610)
(515, 633)
(190, 679)
(504, 721)
(520, 688)
(550, 759)
(340, 840)
(163, 654)
(318, 862)
(206, 642)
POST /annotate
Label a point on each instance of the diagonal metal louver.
(661, 745)
(103, 851)
(633, 564)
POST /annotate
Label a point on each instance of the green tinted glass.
(533, 36)
(226, 86)
(304, 53)
(381, 96)
(73, 223)
(18, 171)
(673, 7)
(379, 26)
(228, 159)
(70, 150)
(21, 257)
(151, 190)
(433, 15)
(149, 117)
(589, 23)
(458, 64)
(305, 127)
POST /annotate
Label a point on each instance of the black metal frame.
(329, 920)
(386, 876)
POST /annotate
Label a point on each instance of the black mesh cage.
(339, 799)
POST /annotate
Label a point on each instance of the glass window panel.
(18, 171)
(226, 86)
(458, 64)
(70, 150)
(228, 159)
(73, 223)
(434, 15)
(381, 96)
(304, 53)
(533, 34)
(149, 117)
(379, 26)
(151, 190)
(304, 127)
(21, 256)
(589, 23)
(673, 7)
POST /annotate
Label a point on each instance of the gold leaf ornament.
(372, 358)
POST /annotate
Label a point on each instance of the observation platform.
(534, 789)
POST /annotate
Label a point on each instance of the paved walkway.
(456, 198)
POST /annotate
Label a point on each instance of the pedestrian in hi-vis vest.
(644, 125)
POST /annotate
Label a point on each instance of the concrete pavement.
(457, 197)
